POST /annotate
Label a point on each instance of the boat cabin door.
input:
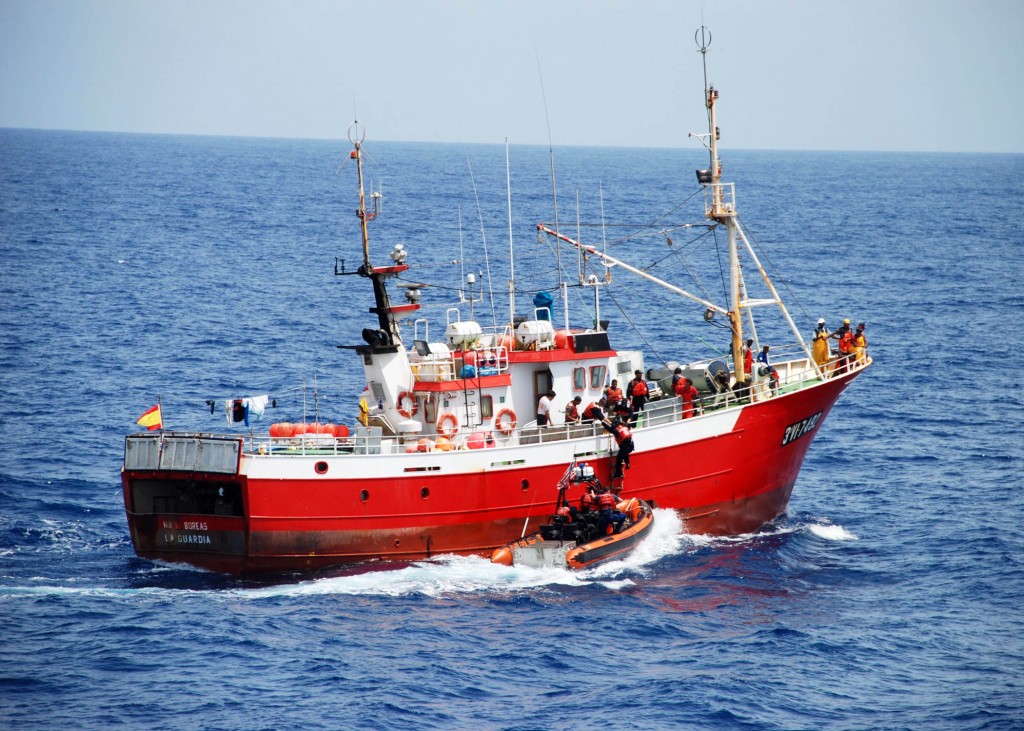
(543, 382)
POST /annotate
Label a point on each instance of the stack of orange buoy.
(282, 430)
(285, 430)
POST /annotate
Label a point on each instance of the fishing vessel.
(448, 456)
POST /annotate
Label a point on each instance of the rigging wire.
(633, 325)
(778, 275)
(483, 235)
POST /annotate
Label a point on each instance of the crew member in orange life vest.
(613, 394)
(606, 503)
(583, 512)
(572, 414)
(845, 337)
(624, 438)
(637, 392)
(593, 412)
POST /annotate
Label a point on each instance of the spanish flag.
(152, 419)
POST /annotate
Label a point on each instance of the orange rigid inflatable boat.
(581, 537)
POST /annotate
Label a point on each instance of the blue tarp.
(544, 299)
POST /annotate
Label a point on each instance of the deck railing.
(794, 374)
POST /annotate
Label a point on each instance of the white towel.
(256, 406)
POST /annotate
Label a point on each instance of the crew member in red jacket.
(686, 391)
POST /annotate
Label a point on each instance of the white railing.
(719, 198)
(794, 374)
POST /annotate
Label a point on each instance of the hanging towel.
(254, 407)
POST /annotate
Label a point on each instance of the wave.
(445, 575)
(832, 532)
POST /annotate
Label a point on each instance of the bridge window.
(597, 376)
(579, 379)
(486, 407)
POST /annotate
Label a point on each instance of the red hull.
(726, 484)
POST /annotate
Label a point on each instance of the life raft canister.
(448, 425)
(505, 426)
(400, 403)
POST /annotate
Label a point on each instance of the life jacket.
(606, 501)
(614, 394)
(846, 342)
(622, 433)
(593, 411)
(639, 388)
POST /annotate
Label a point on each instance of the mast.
(511, 250)
(356, 135)
(721, 208)
(389, 334)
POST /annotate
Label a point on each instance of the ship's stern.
(185, 499)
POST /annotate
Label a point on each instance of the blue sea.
(191, 269)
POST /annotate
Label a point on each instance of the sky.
(881, 75)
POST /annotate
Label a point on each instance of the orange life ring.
(511, 421)
(445, 431)
(410, 412)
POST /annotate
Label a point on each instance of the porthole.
(525, 485)
(425, 493)
(397, 542)
(364, 495)
(321, 468)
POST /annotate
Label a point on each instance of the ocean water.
(188, 269)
